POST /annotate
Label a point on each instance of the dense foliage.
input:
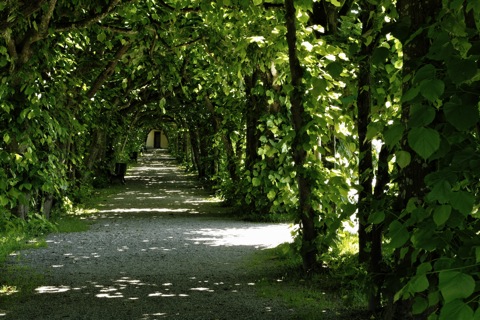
(317, 112)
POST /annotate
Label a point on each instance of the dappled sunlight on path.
(157, 185)
(161, 247)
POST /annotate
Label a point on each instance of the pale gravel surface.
(157, 250)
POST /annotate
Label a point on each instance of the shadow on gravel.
(160, 247)
(157, 185)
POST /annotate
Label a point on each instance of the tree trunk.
(365, 166)
(417, 15)
(95, 148)
(196, 152)
(227, 143)
(47, 205)
(252, 116)
(375, 235)
(306, 213)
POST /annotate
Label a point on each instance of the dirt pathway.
(158, 250)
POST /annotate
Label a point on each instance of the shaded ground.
(160, 248)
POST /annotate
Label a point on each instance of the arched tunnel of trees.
(315, 111)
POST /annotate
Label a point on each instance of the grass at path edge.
(325, 295)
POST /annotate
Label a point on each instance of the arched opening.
(156, 139)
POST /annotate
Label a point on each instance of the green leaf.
(462, 201)
(373, 129)
(256, 182)
(441, 214)
(424, 141)
(456, 309)
(424, 268)
(304, 4)
(6, 138)
(101, 37)
(432, 89)
(336, 3)
(334, 69)
(3, 62)
(4, 201)
(421, 115)
(455, 285)
(477, 254)
(319, 86)
(419, 283)
(477, 312)
(461, 116)
(410, 94)
(380, 55)
(27, 186)
(393, 135)
(461, 70)
(440, 192)
(425, 237)
(376, 217)
(420, 304)
(427, 72)
(402, 158)
(271, 195)
(398, 234)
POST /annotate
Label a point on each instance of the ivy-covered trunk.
(306, 212)
(417, 16)
(253, 113)
(369, 235)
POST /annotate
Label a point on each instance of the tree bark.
(252, 117)
(196, 152)
(306, 212)
(365, 166)
(227, 143)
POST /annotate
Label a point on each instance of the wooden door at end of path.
(157, 140)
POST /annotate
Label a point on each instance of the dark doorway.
(157, 138)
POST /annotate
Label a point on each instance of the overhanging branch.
(89, 20)
(108, 71)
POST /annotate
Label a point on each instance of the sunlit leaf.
(6, 138)
(271, 194)
(402, 158)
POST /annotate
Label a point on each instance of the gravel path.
(156, 251)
